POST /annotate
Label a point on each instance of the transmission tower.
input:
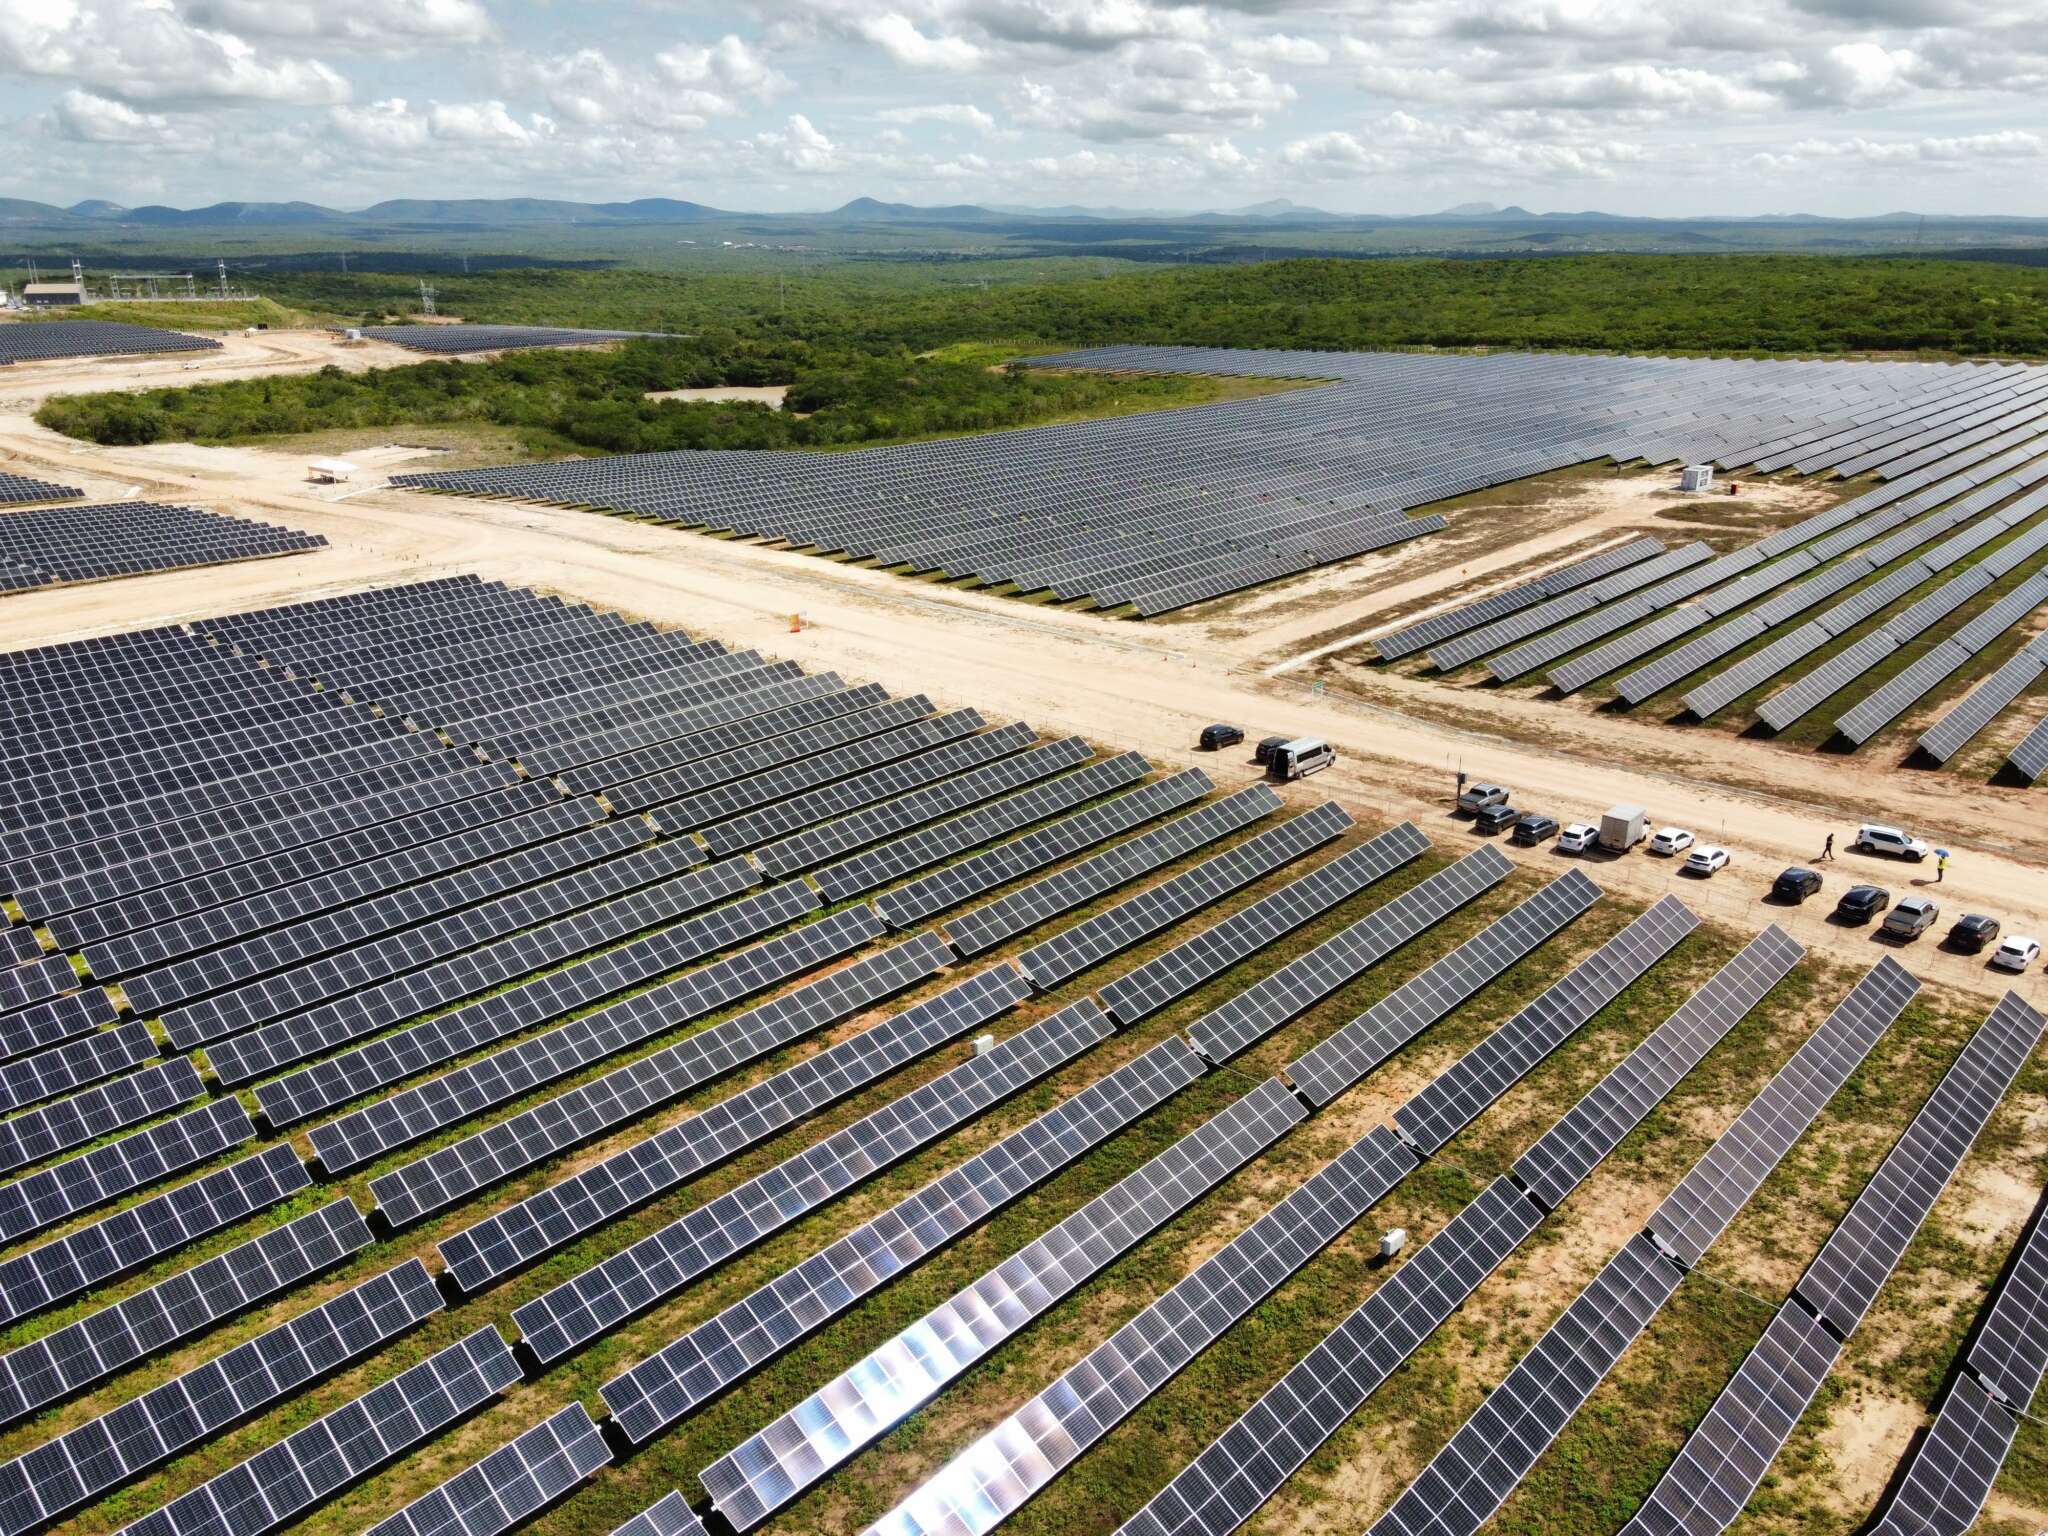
(426, 298)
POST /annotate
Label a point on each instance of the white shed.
(329, 471)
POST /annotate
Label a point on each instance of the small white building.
(329, 471)
(52, 295)
(1696, 477)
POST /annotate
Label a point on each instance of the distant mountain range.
(452, 213)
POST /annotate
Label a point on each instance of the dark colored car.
(1496, 818)
(1533, 829)
(1972, 932)
(1216, 737)
(1264, 751)
(1795, 885)
(1860, 903)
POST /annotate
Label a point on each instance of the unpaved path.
(1146, 686)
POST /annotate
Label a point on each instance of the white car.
(1577, 838)
(1705, 859)
(1671, 840)
(2015, 954)
(1871, 838)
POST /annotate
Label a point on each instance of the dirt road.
(1149, 686)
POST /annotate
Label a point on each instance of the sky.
(1358, 106)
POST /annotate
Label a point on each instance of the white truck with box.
(1623, 827)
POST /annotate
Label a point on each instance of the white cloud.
(727, 71)
(799, 147)
(376, 25)
(959, 113)
(484, 122)
(91, 119)
(143, 50)
(896, 35)
(1282, 48)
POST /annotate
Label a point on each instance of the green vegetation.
(1745, 304)
(557, 401)
(176, 315)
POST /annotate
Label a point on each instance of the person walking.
(1827, 852)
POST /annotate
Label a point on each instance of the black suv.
(1264, 751)
(1795, 885)
(1216, 737)
(1533, 829)
(1496, 818)
(1971, 933)
(1860, 903)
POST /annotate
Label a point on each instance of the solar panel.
(1829, 678)
(1725, 1458)
(729, 1346)
(1302, 982)
(1854, 1263)
(558, 989)
(1949, 1475)
(1954, 730)
(315, 1462)
(1195, 960)
(118, 1335)
(766, 1471)
(994, 1476)
(515, 1481)
(42, 1133)
(409, 1192)
(1899, 691)
(1699, 1209)
(2030, 758)
(908, 904)
(86, 1461)
(1564, 1155)
(1341, 1059)
(453, 1172)
(667, 1516)
(2011, 1349)
(1491, 1453)
(1455, 1096)
(1065, 889)
(509, 1238)
(44, 1076)
(60, 1018)
(1223, 1486)
(80, 1260)
(1075, 949)
(28, 1205)
(878, 866)
(658, 1264)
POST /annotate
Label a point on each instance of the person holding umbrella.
(1940, 864)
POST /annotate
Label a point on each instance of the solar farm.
(55, 546)
(475, 1060)
(454, 339)
(1926, 574)
(53, 340)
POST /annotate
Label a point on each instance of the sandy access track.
(1148, 686)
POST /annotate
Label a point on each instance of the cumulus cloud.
(959, 113)
(90, 119)
(1282, 48)
(144, 50)
(376, 25)
(898, 36)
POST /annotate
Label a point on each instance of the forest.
(883, 353)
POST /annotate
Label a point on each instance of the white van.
(1301, 757)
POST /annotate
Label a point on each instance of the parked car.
(2015, 954)
(1972, 932)
(1913, 916)
(1860, 903)
(1496, 818)
(1216, 737)
(1475, 798)
(1299, 758)
(1795, 885)
(1577, 838)
(1872, 838)
(1671, 841)
(1264, 751)
(1533, 829)
(1706, 859)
